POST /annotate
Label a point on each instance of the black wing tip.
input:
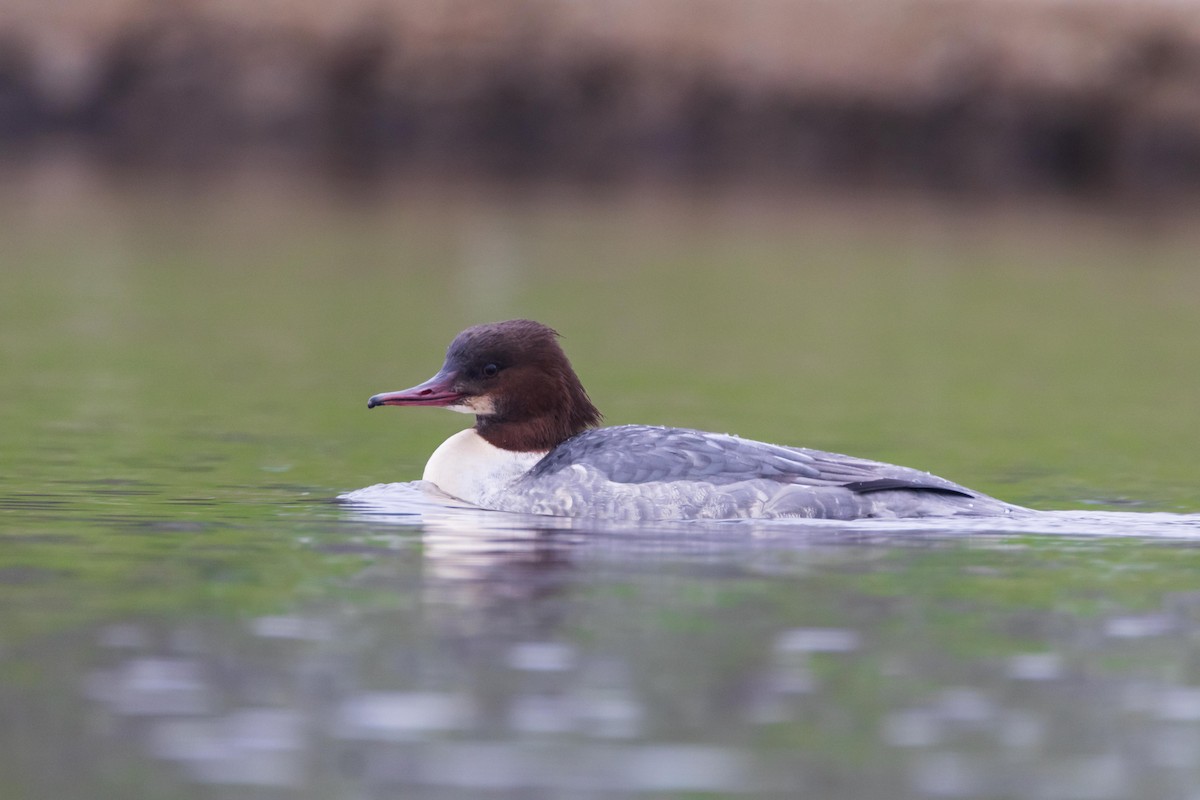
(890, 484)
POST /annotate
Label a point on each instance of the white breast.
(466, 466)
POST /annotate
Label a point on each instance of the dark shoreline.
(189, 91)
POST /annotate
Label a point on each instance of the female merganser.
(535, 448)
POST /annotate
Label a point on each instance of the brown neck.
(540, 427)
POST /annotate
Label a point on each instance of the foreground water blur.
(186, 611)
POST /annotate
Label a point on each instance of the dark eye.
(490, 371)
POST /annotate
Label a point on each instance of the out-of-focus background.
(959, 235)
(944, 232)
(1086, 99)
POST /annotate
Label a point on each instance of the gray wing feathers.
(633, 454)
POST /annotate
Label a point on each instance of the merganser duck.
(535, 448)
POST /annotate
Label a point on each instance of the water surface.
(185, 611)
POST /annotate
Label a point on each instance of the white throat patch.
(482, 405)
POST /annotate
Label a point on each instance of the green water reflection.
(183, 611)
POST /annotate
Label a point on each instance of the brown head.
(516, 380)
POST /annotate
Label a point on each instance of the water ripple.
(416, 504)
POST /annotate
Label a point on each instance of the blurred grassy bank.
(1087, 99)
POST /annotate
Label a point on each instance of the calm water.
(186, 612)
